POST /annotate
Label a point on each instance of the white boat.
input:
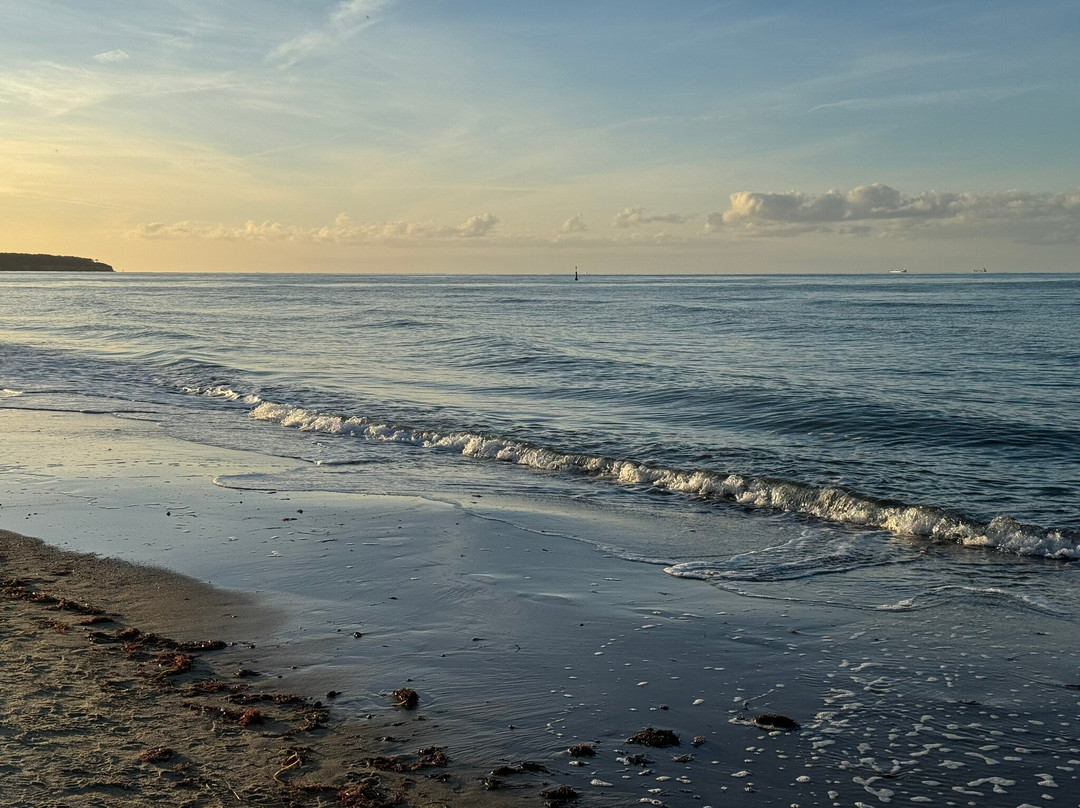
(898, 271)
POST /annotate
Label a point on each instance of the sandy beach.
(103, 706)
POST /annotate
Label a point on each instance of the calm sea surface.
(940, 410)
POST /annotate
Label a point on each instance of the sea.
(919, 430)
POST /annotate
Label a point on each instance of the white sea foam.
(220, 391)
(6, 393)
(946, 594)
(905, 605)
(830, 503)
(810, 554)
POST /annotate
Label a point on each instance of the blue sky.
(386, 135)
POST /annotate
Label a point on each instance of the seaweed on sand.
(406, 698)
(776, 721)
(157, 754)
(368, 794)
(654, 737)
(560, 795)
(173, 663)
(426, 757)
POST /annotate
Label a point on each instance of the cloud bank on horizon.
(517, 128)
(875, 209)
(1021, 215)
(342, 231)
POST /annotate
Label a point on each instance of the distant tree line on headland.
(28, 262)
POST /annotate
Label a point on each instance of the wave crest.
(221, 391)
(829, 503)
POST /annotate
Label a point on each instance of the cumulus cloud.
(476, 226)
(634, 217)
(1023, 215)
(575, 224)
(714, 222)
(111, 57)
(343, 231)
(347, 19)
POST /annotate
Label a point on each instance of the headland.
(31, 262)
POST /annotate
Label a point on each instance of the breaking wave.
(830, 503)
(220, 391)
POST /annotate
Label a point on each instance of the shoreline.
(524, 642)
(100, 704)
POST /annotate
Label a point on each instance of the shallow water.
(937, 410)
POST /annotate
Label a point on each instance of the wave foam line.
(829, 503)
(945, 594)
(220, 391)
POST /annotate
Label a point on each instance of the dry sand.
(92, 718)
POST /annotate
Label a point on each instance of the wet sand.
(523, 643)
(114, 693)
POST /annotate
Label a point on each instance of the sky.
(462, 136)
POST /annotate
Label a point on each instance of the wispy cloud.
(52, 88)
(111, 57)
(345, 21)
(56, 89)
(59, 200)
(905, 100)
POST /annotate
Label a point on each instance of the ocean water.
(940, 409)
(904, 450)
(921, 428)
